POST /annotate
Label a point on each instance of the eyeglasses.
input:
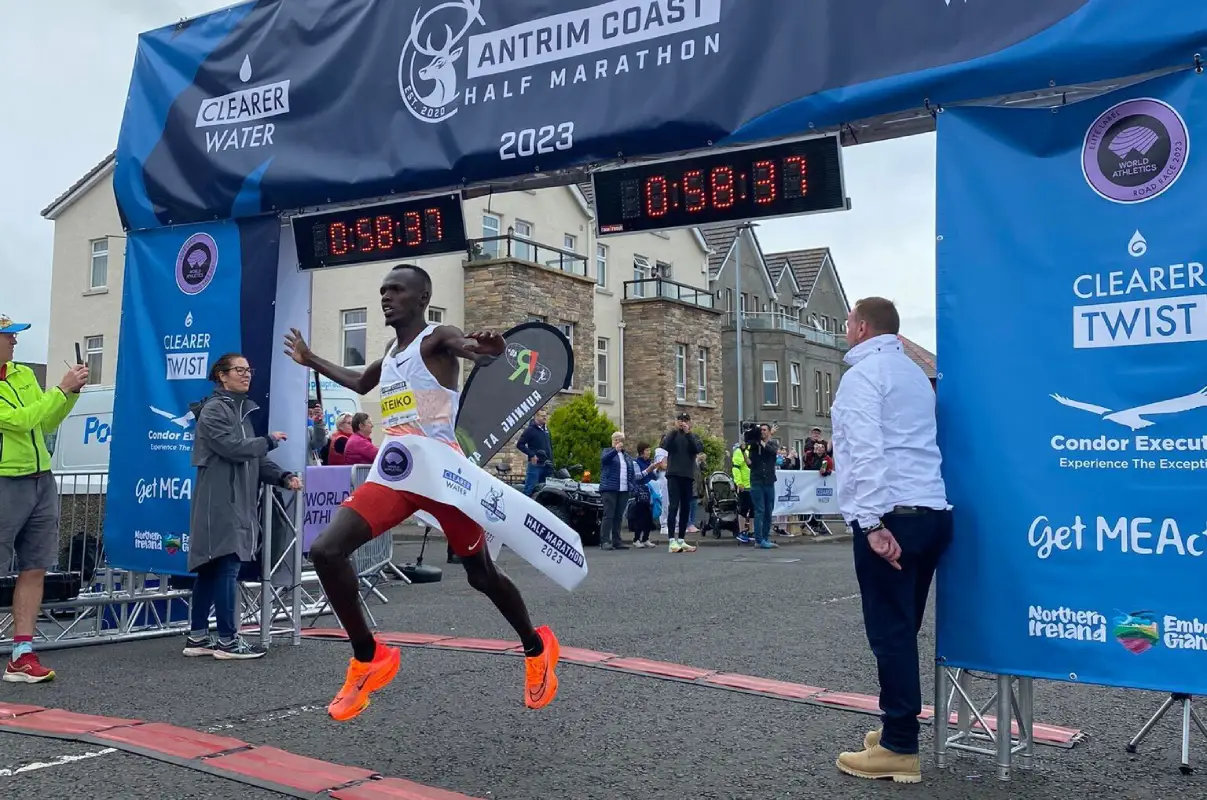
(249, 371)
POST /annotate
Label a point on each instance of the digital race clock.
(405, 229)
(778, 180)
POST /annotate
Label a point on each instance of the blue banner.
(190, 294)
(1072, 311)
(275, 105)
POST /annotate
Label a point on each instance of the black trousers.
(613, 513)
(894, 604)
(681, 491)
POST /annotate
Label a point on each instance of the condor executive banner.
(1072, 308)
(191, 294)
(275, 105)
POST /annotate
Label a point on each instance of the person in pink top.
(360, 448)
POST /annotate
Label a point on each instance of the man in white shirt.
(891, 494)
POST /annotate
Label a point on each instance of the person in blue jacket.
(618, 477)
(536, 443)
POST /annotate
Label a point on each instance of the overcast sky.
(66, 67)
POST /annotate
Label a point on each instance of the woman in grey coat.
(231, 464)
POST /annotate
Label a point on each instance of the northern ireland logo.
(1135, 150)
(196, 263)
(428, 74)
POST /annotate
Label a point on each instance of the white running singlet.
(412, 400)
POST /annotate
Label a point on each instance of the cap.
(8, 326)
(684, 417)
(815, 429)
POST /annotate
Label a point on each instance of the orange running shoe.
(540, 678)
(364, 677)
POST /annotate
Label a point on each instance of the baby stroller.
(721, 504)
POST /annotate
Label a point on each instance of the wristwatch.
(879, 526)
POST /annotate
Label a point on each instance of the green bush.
(580, 432)
(717, 454)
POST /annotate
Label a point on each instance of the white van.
(80, 447)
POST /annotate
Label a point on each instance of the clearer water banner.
(1072, 334)
(191, 294)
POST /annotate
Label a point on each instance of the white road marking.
(839, 599)
(57, 762)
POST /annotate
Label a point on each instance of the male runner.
(418, 378)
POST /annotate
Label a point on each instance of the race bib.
(398, 404)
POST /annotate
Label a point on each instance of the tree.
(580, 433)
(718, 458)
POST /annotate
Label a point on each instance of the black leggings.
(680, 502)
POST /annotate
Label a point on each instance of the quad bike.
(575, 503)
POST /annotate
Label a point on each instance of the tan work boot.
(878, 763)
(872, 739)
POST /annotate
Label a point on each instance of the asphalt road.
(456, 720)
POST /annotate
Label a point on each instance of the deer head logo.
(427, 73)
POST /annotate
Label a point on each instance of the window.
(355, 325)
(491, 225)
(771, 383)
(567, 329)
(729, 301)
(681, 373)
(817, 408)
(702, 375)
(601, 368)
(662, 270)
(94, 348)
(794, 384)
(435, 315)
(745, 302)
(522, 249)
(799, 446)
(535, 318)
(98, 272)
(570, 243)
(601, 264)
(829, 392)
(641, 272)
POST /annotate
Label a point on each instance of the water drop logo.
(1138, 245)
(245, 69)
(1137, 631)
(188, 320)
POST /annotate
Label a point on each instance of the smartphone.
(79, 356)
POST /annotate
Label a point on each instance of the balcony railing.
(521, 249)
(772, 321)
(661, 288)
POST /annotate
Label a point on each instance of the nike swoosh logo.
(540, 692)
(400, 362)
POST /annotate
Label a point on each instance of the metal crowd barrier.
(119, 605)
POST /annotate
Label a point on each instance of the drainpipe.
(620, 373)
(738, 318)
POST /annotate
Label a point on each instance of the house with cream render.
(637, 309)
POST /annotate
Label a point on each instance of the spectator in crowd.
(699, 488)
(360, 448)
(29, 496)
(741, 476)
(682, 446)
(536, 444)
(814, 437)
(891, 494)
(763, 454)
(617, 479)
(818, 459)
(338, 443)
(232, 463)
(641, 511)
(316, 428)
(659, 485)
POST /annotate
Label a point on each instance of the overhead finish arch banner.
(1072, 338)
(274, 105)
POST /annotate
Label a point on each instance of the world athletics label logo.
(1137, 631)
(1135, 150)
(395, 462)
(196, 263)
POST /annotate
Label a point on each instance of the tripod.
(1187, 716)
